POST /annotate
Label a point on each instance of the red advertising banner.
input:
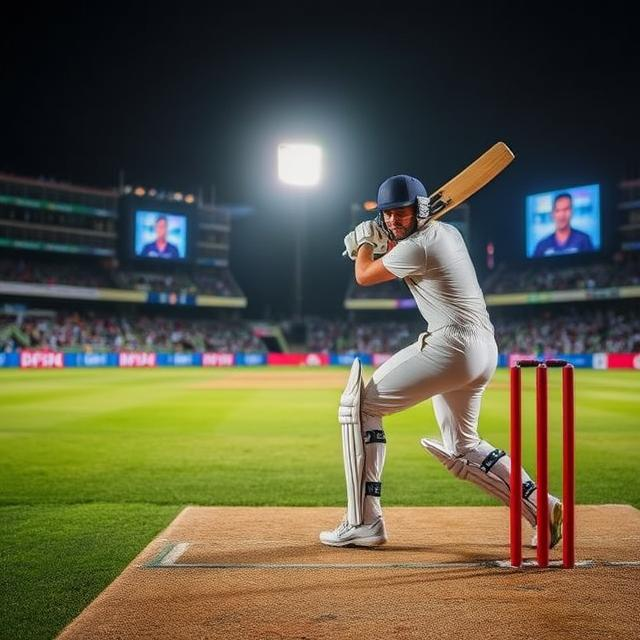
(41, 360)
(302, 359)
(218, 360)
(137, 359)
(623, 360)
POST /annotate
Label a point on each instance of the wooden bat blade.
(470, 180)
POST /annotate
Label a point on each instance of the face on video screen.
(160, 235)
(563, 222)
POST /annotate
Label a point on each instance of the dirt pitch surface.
(260, 572)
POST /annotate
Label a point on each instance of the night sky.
(194, 98)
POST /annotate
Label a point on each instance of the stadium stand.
(95, 333)
(567, 330)
(342, 336)
(50, 272)
(215, 281)
(218, 282)
(573, 330)
(623, 269)
(155, 281)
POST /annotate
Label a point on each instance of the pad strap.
(374, 437)
(373, 489)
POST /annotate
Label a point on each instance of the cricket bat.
(468, 181)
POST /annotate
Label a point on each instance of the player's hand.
(367, 232)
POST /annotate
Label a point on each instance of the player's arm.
(370, 271)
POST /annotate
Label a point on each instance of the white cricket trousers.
(452, 365)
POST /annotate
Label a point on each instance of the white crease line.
(311, 565)
(169, 556)
(488, 564)
(170, 559)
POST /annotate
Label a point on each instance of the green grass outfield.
(94, 463)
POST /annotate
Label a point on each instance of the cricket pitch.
(260, 572)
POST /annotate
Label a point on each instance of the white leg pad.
(489, 468)
(352, 443)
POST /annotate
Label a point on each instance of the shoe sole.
(556, 525)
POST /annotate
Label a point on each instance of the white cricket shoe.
(364, 535)
(555, 524)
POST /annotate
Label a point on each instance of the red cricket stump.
(542, 467)
(515, 505)
(568, 468)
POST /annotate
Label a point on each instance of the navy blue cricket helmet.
(399, 191)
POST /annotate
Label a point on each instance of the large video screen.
(160, 235)
(563, 222)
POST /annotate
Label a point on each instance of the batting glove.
(367, 232)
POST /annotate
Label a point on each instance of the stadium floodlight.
(299, 164)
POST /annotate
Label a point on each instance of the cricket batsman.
(451, 363)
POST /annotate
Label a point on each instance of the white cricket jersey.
(435, 264)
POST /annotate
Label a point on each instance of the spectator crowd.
(620, 270)
(573, 330)
(43, 272)
(576, 331)
(216, 282)
(341, 336)
(94, 333)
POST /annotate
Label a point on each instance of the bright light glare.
(299, 164)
